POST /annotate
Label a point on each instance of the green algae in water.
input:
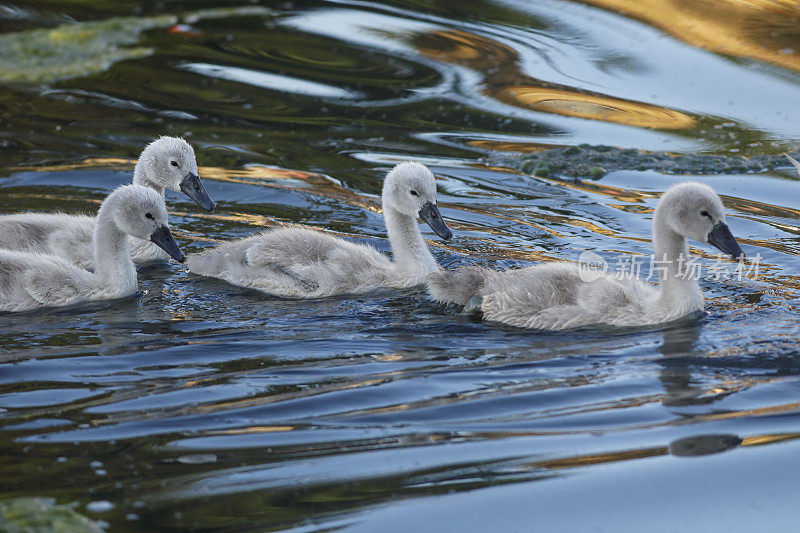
(587, 161)
(542, 171)
(73, 50)
(84, 48)
(35, 515)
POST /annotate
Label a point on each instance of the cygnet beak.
(163, 239)
(431, 215)
(721, 237)
(193, 188)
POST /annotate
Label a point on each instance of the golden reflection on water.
(253, 175)
(758, 411)
(766, 30)
(493, 212)
(576, 104)
(103, 162)
(617, 193)
(388, 357)
(506, 146)
(718, 444)
(249, 430)
(489, 249)
(759, 440)
(505, 82)
(257, 173)
(627, 455)
(613, 457)
(779, 342)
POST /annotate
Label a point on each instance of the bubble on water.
(100, 506)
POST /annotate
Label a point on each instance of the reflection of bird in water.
(679, 348)
(559, 296)
(703, 445)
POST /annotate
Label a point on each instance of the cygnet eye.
(174, 164)
(412, 192)
(149, 215)
(705, 214)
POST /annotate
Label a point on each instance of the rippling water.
(200, 406)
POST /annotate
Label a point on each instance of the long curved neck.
(113, 267)
(140, 177)
(679, 287)
(409, 250)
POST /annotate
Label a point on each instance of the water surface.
(196, 405)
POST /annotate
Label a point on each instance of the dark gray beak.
(193, 188)
(722, 238)
(431, 215)
(163, 239)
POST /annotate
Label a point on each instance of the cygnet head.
(169, 163)
(410, 189)
(694, 210)
(140, 212)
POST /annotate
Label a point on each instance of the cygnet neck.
(410, 252)
(113, 267)
(678, 279)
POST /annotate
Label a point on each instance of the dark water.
(200, 406)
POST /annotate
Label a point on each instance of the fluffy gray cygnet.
(296, 262)
(559, 296)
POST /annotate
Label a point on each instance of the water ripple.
(195, 405)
